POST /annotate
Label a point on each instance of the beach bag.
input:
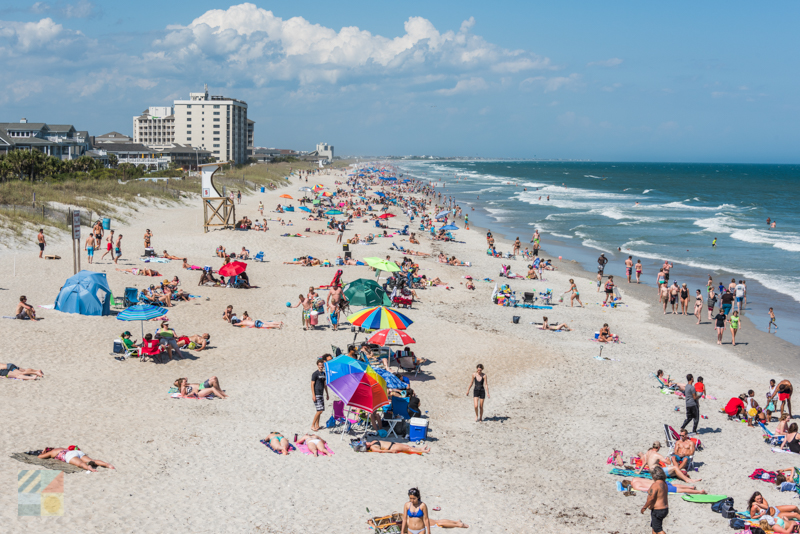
(738, 524)
(515, 319)
(727, 510)
(312, 319)
(717, 506)
(330, 423)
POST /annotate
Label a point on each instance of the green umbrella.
(381, 265)
(364, 292)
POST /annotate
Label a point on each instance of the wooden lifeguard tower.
(218, 211)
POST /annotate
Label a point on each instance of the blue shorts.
(90, 251)
(739, 299)
(671, 488)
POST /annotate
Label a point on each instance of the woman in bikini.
(393, 448)
(758, 507)
(479, 392)
(73, 455)
(278, 443)
(605, 334)
(140, 272)
(638, 267)
(416, 520)
(204, 389)
(576, 295)
(698, 305)
(684, 299)
(547, 326)
(315, 444)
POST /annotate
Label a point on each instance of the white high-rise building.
(155, 127)
(215, 123)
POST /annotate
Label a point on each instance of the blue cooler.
(418, 429)
(106, 224)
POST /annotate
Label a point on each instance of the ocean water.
(652, 211)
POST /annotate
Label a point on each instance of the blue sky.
(621, 81)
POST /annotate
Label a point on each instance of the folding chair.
(150, 349)
(259, 257)
(528, 298)
(406, 363)
(131, 297)
(400, 411)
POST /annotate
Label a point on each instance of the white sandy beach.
(538, 462)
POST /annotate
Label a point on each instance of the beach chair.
(259, 256)
(131, 297)
(336, 351)
(150, 349)
(672, 436)
(528, 298)
(146, 300)
(406, 363)
(547, 297)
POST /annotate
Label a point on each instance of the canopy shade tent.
(365, 292)
(449, 227)
(86, 293)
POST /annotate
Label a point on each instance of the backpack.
(717, 506)
(738, 524)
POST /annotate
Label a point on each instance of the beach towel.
(48, 463)
(630, 473)
(266, 443)
(392, 381)
(302, 447)
(265, 326)
(782, 450)
(151, 259)
(179, 396)
(758, 474)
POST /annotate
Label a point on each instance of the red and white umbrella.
(390, 336)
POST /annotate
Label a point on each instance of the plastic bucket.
(106, 224)
(263, 189)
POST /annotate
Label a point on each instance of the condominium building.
(215, 123)
(155, 127)
(60, 140)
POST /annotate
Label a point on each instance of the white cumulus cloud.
(613, 62)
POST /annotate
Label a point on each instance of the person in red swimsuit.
(735, 406)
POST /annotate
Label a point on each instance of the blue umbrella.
(442, 214)
(141, 312)
(333, 212)
(449, 227)
(381, 194)
(304, 209)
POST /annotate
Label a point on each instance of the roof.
(250, 121)
(110, 135)
(60, 127)
(22, 125)
(183, 149)
(126, 147)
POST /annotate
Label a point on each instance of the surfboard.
(704, 498)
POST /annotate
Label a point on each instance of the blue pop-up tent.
(86, 293)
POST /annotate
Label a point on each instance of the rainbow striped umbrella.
(356, 383)
(379, 317)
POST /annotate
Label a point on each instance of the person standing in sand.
(118, 249)
(771, 322)
(629, 268)
(148, 235)
(698, 305)
(89, 246)
(720, 318)
(479, 392)
(664, 295)
(40, 240)
(517, 246)
(657, 501)
(712, 301)
(318, 387)
(692, 404)
(306, 304)
(674, 290)
(601, 262)
(109, 245)
(333, 304)
(576, 295)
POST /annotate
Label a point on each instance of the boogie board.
(704, 498)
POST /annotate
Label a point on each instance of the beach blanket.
(782, 450)
(153, 259)
(266, 443)
(179, 396)
(292, 235)
(302, 447)
(392, 382)
(49, 463)
(759, 474)
(630, 473)
(265, 326)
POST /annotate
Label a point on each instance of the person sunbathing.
(73, 455)
(759, 507)
(415, 253)
(155, 296)
(470, 285)
(229, 316)
(783, 424)
(196, 342)
(394, 448)
(532, 273)
(315, 444)
(20, 373)
(667, 382)
(643, 484)
(779, 525)
(442, 258)
(140, 272)
(200, 390)
(683, 450)
(190, 267)
(651, 458)
(170, 256)
(244, 254)
(221, 252)
(351, 261)
(413, 239)
(302, 260)
(605, 334)
(458, 263)
(278, 443)
(208, 278)
(547, 326)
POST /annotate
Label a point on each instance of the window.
(188, 106)
(216, 132)
(216, 113)
(188, 112)
(216, 120)
(189, 119)
(216, 152)
(216, 146)
(216, 139)
(216, 106)
(188, 132)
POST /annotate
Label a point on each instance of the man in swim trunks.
(12, 371)
(89, 247)
(664, 295)
(771, 322)
(109, 244)
(684, 449)
(601, 261)
(673, 295)
(657, 500)
(667, 266)
(24, 310)
(41, 241)
(784, 392)
(629, 268)
(642, 484)
(652, 458)
(196, 342)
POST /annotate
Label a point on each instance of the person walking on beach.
(576, 295)
(261, 207)
(109, 245)
(712, 301)
(667, 267)
(692, 404)
(771, 322)
(664, 296)
(629, 268)
(306, 304)
(638, 270)
(739, 292)
(698, 305)
(734, 320)
(601, 261)
(40, 240)
(721, 317)
(657, 501)
(674, 290)
(89, 246)
(517, 246)
(660, 282)
(147, 236)
(609, 290)
(239, 196)
(318, 387)
(479, 392)
(118, 249)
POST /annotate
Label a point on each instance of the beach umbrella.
(379, 317)
(304, 189)
(365, 292)
(233, 268)
(141, 312)
(386, 216)
(449, 227)
(356, 383)
(442, 214)
(382, 265)
(319, 186)
(380, 194)
(286, 196)
(304, 209)
(315, 202)
(390, 336)
(334, 212)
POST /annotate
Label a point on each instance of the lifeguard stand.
(218, 211)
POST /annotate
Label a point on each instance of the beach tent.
(364, 292)
(86, 293)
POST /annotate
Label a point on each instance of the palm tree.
(113, 160)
